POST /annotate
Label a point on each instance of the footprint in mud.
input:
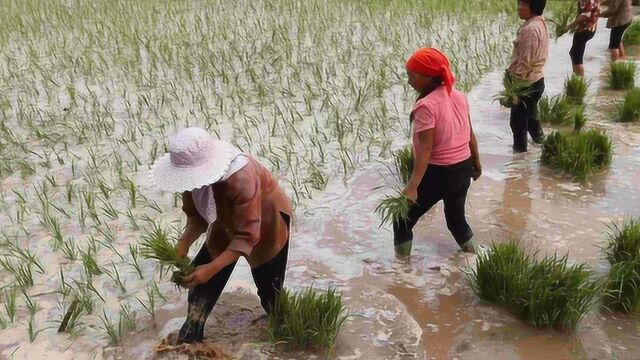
(205, 350)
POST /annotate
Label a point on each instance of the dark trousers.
(448, 183)
(268, 277)
(580, 40)
(615, 38)
(524, 117)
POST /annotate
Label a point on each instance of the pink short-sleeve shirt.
(448, 115)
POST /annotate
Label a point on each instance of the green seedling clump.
(156, 245)
(623, 253)
(575, 89)
(555, 111)
(394, 209)
(577, 154)
(514, 89)
(622, 75)
(632, 35)
(403, 160)
(629, 110)
(307, 319)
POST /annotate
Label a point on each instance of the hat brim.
(171, 178)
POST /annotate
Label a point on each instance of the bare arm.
(475, 155)
(423, 147)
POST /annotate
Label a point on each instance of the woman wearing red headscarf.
(444, 147)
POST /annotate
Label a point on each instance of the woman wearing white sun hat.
(237, 202)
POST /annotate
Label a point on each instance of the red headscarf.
(432, 62)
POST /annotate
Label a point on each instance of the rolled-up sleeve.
(246, 201)
(194, 219)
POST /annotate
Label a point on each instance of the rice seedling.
(69, 249)
(114, 275)
(309, 318)
(128, 318)
(575, 89)
(156, 245)
(403, 160)
(543, 293)
(22, 272)
(513, 90)
(632, 34)
(70, 321)
(577, 154)
(622, 75)
(394, 209)
(113, 330)
(579, 120)
(622, 292)
(32, 305)
(629, 110)
(556, 110)
(9, 303)
(134, 251)
(32, 329)
(151, 291)
(91, 267)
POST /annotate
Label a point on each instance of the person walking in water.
(245, 213)
(444, 148)
(586, 24)
(619, 16)
(530, 53)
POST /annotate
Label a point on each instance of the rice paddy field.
(316, 90)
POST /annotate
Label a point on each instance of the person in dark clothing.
(586, 24)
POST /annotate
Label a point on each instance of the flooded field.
(87, 103)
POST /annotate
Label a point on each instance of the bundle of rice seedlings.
(623, 241)
(629, 110)
(578, 154)
(579, 120)
(632, 34)
(543, 293)
(403, 159)
(156, 245)
(514, 89)
(575, 89)
(559, 295)
(622, 293)
(623, 253)
(394, 209)
(500, 275)
(622, 75)
(307, 319)
(556, 110)
(562, 16)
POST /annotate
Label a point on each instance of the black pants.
(447, 183)
(615, 39)
(524, 117)
(580, 40)
(269, 278)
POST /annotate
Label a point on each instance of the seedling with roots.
(394, 209)
(514, 90)
(156, 245)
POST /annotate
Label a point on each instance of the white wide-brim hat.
(195, 159)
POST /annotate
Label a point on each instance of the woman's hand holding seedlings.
(200, 275)
(204, 273)
(411, 192)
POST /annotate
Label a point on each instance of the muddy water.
(423, 308)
